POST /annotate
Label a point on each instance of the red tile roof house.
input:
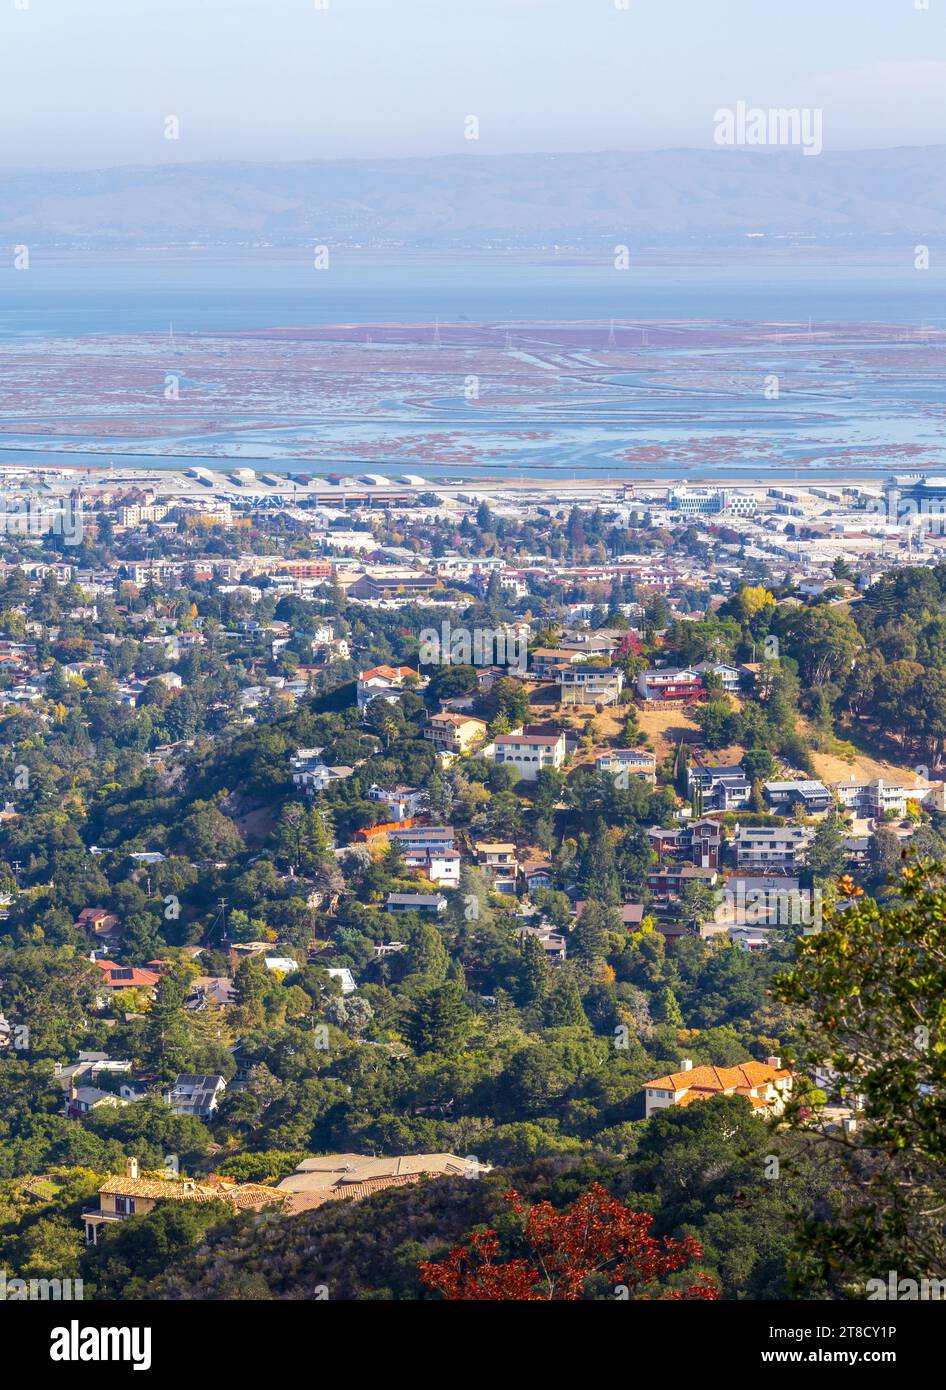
(766, 1085)
(383, 682)
(119, 977)
(98, 921)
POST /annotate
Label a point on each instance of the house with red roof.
(98, 922)
(119, 977)
(383, 683)
(766, 1085)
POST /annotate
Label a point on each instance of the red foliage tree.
(596, 1233)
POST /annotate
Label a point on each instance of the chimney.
(686, 1063)
(775, 1062)
(131, 1168)
(73, 1091)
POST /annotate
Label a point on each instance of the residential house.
(209, 992)
(454, 733)
(286, 965)
(316, 777)
(554, 943)
(631, 914)
(751, 939)
(384, 683)
(622, 763)
(352, 1177)
(684, 684)
(877, 799)
(697, 842)
(499, 862)
(590, 685)
(766, 900)
(89, 1068)
(779, 848)
(196, 1095)
(721, 788)
(527, 754)
(403, 802)
(668, 883)
(128, 1194)
(590, 646)
(536, 873)
(99, 923)
(547, 662)
(82, 1100)
(730, 677)
(117, 978)
(415, 902)
(420, 839)
(440, 866)
(766, 1085)
(813, 797)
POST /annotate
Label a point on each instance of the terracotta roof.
(714, 1080)
(391, 673)
(243, 1196)
(352, 1191)
(127, 977)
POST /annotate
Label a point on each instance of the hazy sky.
(89, 83)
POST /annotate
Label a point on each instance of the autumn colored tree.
(596, 1234)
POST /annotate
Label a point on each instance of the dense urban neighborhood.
(370, 851)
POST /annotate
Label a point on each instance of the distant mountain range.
(662, 198)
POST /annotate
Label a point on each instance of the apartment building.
(392, 585)
(135, 514)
